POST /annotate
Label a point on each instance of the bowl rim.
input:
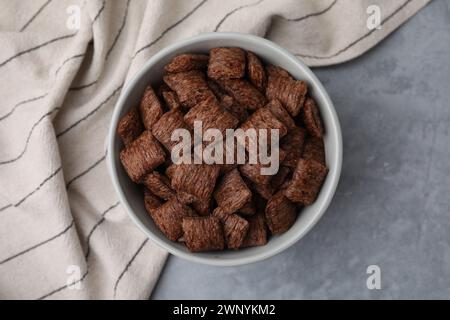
(333, 176)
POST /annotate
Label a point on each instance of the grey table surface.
(392, 206)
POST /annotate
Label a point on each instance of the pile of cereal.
(213, 207)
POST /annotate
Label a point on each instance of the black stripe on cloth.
(35, 15)
(147, 46)
(85, 172)
(78, 88)
(21, 53)
(78, 56)
(5, 207)
(124, 22)
(44, 95)
(359, 39)
(128, 266)
(39, 187)
(59, 135)
(314, 14)
(34, 191)
(99, 11)
(49, 178)
(21, 104)
(39, 244)
(99, 222)
(233, 11)
(64, 287)
(87, 253)
(28, 138)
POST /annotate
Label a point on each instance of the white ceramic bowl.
(131, 196)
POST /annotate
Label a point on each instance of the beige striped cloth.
(63, 63)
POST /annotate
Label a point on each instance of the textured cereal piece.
(203, 234)
(306, 182)
(256, 72)
(169, 218)
(280, 178)
(196, 179)
(311, 118)
(150, 108)
(159, 185)
(151, 202)
(253, 171)
(187, 62)
(166, 125)
(285, 185)
(167, 163)
(191, 87)
(280, 213)
(230, 104)
(170, 170)
(129, 127)
(280, 113)
(291, 93)
(171, 100)
(265, 191)
(235, 228)
(314, 150)
(232, 193)
(264, 119)
(244, 93)
(212, 115)
(186, 198)
(257, 232)
(226, 63)
(224, 168)
(202, 207)
(216, 89)
(276, 71)
(293, 144)
(220, 214)
(143, 155)
(260, 203)
(248, 209)
(164, 168)
(163, 88)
